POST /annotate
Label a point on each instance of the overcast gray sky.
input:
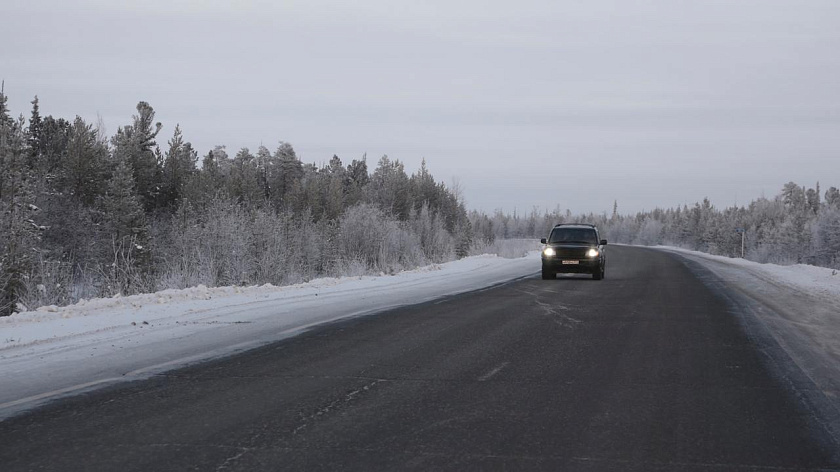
(526, 103)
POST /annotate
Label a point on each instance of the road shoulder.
(796, 329)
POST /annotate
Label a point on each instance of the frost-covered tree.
(375, 239)
(135, 145)
(20, 232)
(812, 197)
(84, 169)
(266, 168)
(389, 188)
(207, 183)
(6, 128)
(438, 243)
(424, 189)
(464, 238)
(55, 136)
(794, 234)
(650, 232)
(178, 168)
(286, 181)
(357, 180)
(34, 133)
(244, 180)
(832, 197)
(335, 188)
(826, 237)
(123, 215)
(6, 120)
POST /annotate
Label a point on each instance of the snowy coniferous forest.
(86, 215)
(798, 226)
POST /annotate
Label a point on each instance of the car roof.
(575, 225)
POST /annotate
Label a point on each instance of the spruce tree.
(832, 197)
(124, 218)
(244, 183)
(812, 197)
(55, 136)
(424, 190)
(135, 144)
(5, 117)
(20, 232)
(266, 168)
(358, 172)
(178, 167)
(389, 188)
(335, 188)
(84, 169)
(205, 184)
(357, 180)
(287, 180)
(126, 235)
(34, 134)
(6, 124)
(463, 238)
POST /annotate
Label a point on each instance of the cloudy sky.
(529, 103)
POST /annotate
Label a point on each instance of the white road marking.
(493, 372)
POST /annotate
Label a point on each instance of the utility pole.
(743, 233)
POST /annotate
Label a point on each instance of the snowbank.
(54, 351)
(820, 282)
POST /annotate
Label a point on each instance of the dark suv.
(574, 248)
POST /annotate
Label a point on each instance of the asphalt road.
(649, 369)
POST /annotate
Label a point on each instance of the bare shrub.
(49, 283)
(507, 248)
(270, 248)
(124, 275)
(437, 243)
(351, 267)
(6, 301)
(400, 248)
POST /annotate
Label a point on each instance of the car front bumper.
(556, 264)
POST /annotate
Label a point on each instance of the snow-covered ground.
(55, 351)
(819, 282)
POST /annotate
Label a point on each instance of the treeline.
(85, 215)
(799, 225)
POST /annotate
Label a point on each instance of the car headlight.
(549, 252)
(592, 253)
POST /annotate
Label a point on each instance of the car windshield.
(573, 235)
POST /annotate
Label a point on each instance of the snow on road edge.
(820, 282)
(56, 351)
(51, 323)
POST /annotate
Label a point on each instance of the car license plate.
(571, 262)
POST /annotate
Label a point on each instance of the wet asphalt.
(652, 368)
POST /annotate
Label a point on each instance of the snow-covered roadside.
(799, 304)
(816, 281)
(55, 351)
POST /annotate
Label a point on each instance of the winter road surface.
(658, 367)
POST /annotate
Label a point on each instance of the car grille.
(571, 252)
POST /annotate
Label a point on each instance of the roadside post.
(743, 232)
